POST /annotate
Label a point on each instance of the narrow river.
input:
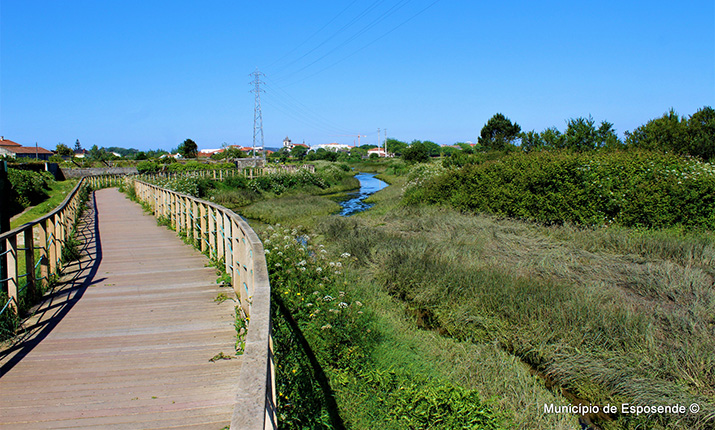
(354, 202)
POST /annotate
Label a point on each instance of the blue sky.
(149, 74)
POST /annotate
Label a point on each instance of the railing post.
(30, 262)
(177, 212)
(11, 259)
(59, 238)
(44, 259)
(52, 243)
(195, 220)
(204, 223)
(235, 256)
(228, 256)
(212, 231)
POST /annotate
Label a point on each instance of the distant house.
(15, 150)
(80, 153)
(207, 153)
(379, 151)
(335, 147)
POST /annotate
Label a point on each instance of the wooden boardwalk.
(126, 341)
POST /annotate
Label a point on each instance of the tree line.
(693, 135)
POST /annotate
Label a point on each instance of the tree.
(417, 152)
(701, 133)
(64, 150)
(498, 132)
(433, 148)
(607, 137)
(531, 141)
(298, 152)
(189, 149)
(667, 133)
(466, 148)
(581, 134)
(395, 146)
(98, 154)
(77, 146)
(552, 138)
(229, 152)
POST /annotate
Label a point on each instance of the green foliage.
(241, 322)
(147, 166)
(229, 152)
(498, 132)
(671, 132)
(701, 133)
(418, 152)
(633, 188)
(27, 188)
(9, 321)
(188, 149)
(395, 146)
(415, 402)
(298, 152)
(64, 150)
(323, 154)
(71, 250)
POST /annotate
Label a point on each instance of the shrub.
(630, 188)
(27, 187)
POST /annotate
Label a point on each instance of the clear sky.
(148, 74)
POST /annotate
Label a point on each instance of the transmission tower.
(257, 114)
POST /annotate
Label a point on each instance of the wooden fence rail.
(225, 236)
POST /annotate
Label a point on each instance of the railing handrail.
(254, 407)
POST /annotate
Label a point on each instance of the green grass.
(58, 192)
(295, 209)
(611, 315)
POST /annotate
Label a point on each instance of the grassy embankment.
(611, 315)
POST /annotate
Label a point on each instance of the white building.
(335, 147)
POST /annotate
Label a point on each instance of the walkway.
(126, 341)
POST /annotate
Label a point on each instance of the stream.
(354, 201)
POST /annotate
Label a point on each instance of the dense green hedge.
(631, 188)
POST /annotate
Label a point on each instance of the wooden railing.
(44, 241)
(223, 235)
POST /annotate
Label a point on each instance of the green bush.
(28, 188)
(630, 188)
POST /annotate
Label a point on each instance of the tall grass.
(611, 315)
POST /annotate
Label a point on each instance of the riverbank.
(608, 315)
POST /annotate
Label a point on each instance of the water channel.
(355, 201)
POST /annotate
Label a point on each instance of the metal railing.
(224, 235)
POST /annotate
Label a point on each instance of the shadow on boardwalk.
(77, 276)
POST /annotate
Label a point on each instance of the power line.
(367, 45)
(362, 31)
(312, 35)
(333, 36)
(302, 108)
